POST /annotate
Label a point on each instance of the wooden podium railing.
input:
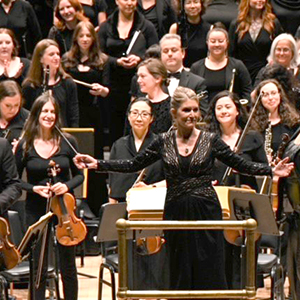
(248, 293)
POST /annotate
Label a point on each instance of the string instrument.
(285, 138)
(9, 255)
(240, 141)
(70, 230)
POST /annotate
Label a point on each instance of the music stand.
(28, 243)
(256, 206)
(251, 205)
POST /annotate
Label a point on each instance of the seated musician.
(10, 186)
(140, 118)
(291, 187)
(12, 115)
(227, 117)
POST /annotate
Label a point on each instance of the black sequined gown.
(196, 258)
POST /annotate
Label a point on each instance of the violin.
(70, 230)
(9, 255)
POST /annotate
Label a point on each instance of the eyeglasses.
(135, 114)
(267, 95)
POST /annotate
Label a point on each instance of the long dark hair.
(96, 58)
(32, 126)
(213, 124)
(287, 112)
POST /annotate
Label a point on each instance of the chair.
(269, 264)
(109, 214)
(21, 273)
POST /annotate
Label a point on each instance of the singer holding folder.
(125, 36)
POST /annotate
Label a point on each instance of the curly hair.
(284, 77)
(287, 112)
(60, 22)
(244, 19)
(213, 124)
(96, 58)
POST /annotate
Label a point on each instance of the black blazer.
(197, 84)
(124, 148)
(10, 185)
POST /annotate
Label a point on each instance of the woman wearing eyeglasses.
(274, 114)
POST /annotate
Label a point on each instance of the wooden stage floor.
(88, 287)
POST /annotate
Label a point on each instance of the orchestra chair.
(269, 264)
(20, 273)
(109, 214)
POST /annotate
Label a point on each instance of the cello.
(70, 230)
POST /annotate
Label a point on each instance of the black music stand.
(28, 243)
(257, 206)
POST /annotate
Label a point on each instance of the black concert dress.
(252, 53)
(196, 257)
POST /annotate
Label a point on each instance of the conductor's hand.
(42, 190)
(59, 188)
(83, 161)
(283, 168)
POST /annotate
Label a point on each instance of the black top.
(37, 171)
(221, 11)
(93, 75)
(277, 131)
(62, 37)
(115, 47)
(23, 72)
(242, 82)
(124, 148)
(14, 129)
(252, 150)
(162, 117)
(288, 14)
(64, 92)
(21, 19)
(252, 54)
(215, 81)
(10, 186)
(162, 15)
(196, 46)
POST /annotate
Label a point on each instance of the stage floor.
(88, 287)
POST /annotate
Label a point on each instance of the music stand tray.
(256, 206)
(33, 235)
